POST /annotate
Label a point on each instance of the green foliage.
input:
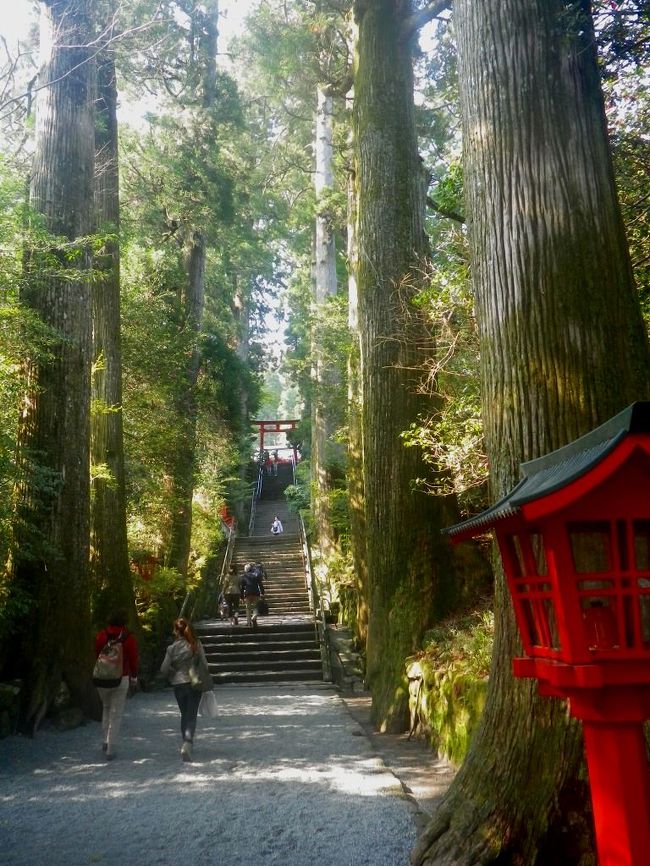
(448, 191)
(158, 601)
(298, 494)
(337, 584)
(298, 361)
(452, 438)
(24, 341)
(453, 670)
(623, 32)
(297, 497)
(154, 352)
(463, 645)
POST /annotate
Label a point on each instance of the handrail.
(320, 626)
(256, 495)
(227, 559)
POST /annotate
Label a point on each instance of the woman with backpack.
(117, 657)
(186, 668)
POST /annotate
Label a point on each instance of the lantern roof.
(556, 470)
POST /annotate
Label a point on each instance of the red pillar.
(620, 791)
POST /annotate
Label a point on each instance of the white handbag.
(208, 706)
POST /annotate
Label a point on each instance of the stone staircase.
(285, 645)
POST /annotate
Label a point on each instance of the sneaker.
(254, 622)
(186, 751)
(104, 747)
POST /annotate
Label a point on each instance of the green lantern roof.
(555, 470)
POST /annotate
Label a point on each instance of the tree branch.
(418, 19)
(450, 214)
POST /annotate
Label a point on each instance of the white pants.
(113, 701)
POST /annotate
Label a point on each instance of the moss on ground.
(448, 682)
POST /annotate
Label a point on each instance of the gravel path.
(282, 776)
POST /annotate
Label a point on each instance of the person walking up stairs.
(286, 645)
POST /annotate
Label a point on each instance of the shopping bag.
(208, 706)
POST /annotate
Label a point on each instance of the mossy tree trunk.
(241, 310)
(113, 583)
(324, 452)
(409, 565)
(355, 436)
(185, 463)
(563, 348)
(53, 509)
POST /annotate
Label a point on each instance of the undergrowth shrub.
(448, 682)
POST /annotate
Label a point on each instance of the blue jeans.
(188, 699)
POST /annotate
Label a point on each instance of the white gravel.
(283, 776)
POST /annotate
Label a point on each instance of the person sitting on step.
(276, 526)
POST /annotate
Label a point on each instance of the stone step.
(216, 631)
(256, 638)
(265, 659)
(285, 646)
(239, 674)
(262, 677)
(223, 647)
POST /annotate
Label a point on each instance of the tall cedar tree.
(324, 379)
(205, 22)
(355, 428)
(53, 513)
(109, 556)
(563, 348)
(410, 572)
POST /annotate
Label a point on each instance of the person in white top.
(276, 526)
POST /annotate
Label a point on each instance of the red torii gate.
(276, 426)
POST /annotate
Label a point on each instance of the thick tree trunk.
(409, 568)
(355, 439)
(109, 556)
(563, 348)
(241, 314)
(52, 531)
(184, 470)
(324, 420)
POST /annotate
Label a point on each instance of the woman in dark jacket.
(113, 698)
(185, 652)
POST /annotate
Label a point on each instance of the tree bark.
(113, 584)
(409, 565)
(184, 470)
(355, 443)
(53, 510)
(324, 380)
(206, 15)
(563, 348)
(241, 314)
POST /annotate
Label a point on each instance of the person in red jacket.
(113, 698)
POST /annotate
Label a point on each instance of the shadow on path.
(281, 776)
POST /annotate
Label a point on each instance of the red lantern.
(145, 566)
(574, 537)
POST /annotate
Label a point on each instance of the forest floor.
(289, 775)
